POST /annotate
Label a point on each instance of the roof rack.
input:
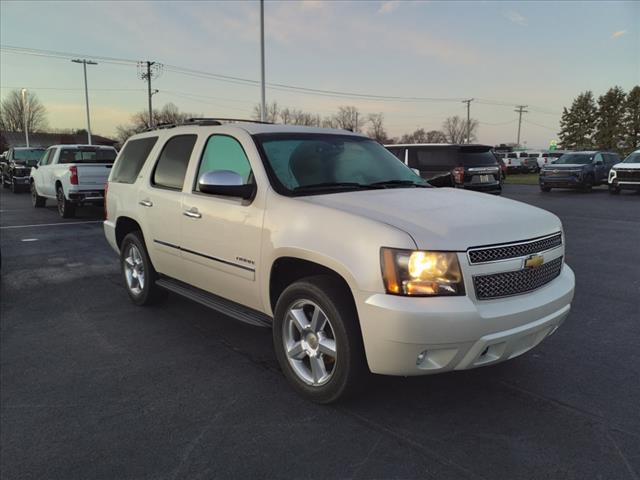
(204, 122)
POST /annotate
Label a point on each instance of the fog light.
(421, 357)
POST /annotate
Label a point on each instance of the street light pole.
(25, 112)
(263, 113)
(86, 92)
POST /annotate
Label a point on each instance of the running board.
(222, 305)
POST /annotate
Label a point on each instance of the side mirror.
(416, 171)
(598, 162)
(226, 183)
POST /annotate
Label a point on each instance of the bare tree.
(12, 113)
(435, 136)
(348, 118)
(376, 128)
(168, 114)
(455, 129)
(272, 112)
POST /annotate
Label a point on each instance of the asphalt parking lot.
(94, 387)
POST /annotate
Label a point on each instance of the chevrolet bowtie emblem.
(533, 261)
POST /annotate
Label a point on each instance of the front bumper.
(457, 333)
(568, 181)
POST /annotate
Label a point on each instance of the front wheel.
(614, 190)
(587, 186)
(66, 209)
(14, 188)
(545, 189)
(317, 339)
(36, 200)
(4, 183)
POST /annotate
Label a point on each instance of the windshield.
(633, 158)
(471, 159)
(87, 155)
(28, 156)
(304, 162)
(574, 159)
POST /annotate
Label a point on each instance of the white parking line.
(29, 240)
(49, 224)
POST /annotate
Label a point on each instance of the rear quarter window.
(131, 159)
(173, 161)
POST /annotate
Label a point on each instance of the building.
(37, 139)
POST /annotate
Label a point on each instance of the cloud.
(515, 17)
(388, 6)
(618, 34)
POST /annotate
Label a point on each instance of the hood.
(446, 218)
(564, 166)
(625, 166)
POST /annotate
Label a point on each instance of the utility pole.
(468, 102)
(25, 113)
(356, 125)
(84, 63)
(520, 109)
(146, 71)
(263, 106)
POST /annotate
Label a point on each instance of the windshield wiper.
(330, 186)
(396, 183)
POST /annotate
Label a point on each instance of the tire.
(66, 209)
(614, 190)
(137, 271)
(4, 184)
(587, 185)
(335, 376)
(36, 200)
(14, 187)
(545, 189)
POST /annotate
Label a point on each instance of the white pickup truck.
(73, 175)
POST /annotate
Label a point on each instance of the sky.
(540, 54)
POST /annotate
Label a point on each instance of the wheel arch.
(124, 226)
(286, 270)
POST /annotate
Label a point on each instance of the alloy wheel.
(309, 342)
(134, 270)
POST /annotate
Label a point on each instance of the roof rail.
(203, 122)
(218, 121)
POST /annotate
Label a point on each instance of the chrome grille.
(514, 250)
(505, 284)
(628, 175)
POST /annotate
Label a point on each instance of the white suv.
(325, 236)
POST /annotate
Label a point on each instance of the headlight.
(421, 273)
(612, 174)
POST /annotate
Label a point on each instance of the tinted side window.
(398, 152)
(224, 153)
(434, 159)
(132, 159)
(46, 158)
(173, 162)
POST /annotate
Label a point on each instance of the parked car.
(73, 175)
(473, 167)
(541, 158)
(582, 170)
(514, 162)
(17, 165)
(352, 259)
(625, 175)
(529, 162)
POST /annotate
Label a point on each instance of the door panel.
(221, 235)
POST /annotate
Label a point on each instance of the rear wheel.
(317, 340)
(36, 200)
(66, 209)
(138, 272)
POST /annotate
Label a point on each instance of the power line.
(252, 82)
(541, 126)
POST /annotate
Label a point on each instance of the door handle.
(146, 203)
(192, 213)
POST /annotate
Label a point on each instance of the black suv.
(17, 167)
(581, 170)
(474, 167)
